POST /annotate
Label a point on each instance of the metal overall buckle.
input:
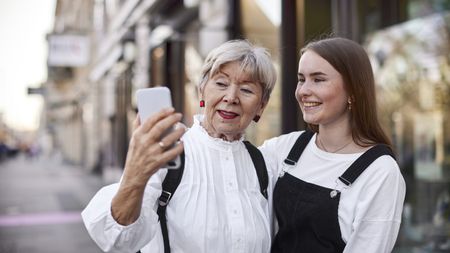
(288, 164)
(335, 191)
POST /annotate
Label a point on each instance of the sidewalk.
(40, 205)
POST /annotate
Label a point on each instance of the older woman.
(218, 206)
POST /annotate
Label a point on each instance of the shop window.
(412, 68)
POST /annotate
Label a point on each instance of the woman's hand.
(148, 150)
(147, 153)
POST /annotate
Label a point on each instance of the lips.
(311, 104)
(227, 114)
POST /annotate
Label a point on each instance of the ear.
(262, 107)
(200, 93)
(351, 99)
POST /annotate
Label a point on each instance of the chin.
(310, 121)
(229, 132)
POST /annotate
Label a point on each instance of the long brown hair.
(351, 61)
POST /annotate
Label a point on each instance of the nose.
(302, 91)
(231, 95)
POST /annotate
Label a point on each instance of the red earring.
(202, 103)
(256, 118)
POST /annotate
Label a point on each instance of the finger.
(150, 122)
(163, 125)
(136, 123)
(170, 154)
(181, 125)
(171, 138)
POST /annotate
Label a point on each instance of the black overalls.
(307, 213)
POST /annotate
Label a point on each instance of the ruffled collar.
(201, 132)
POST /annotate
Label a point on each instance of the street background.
(40, 203)
(69, 71)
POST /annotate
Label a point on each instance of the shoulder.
(385, 173)
(378, 193)
(276, 149)
(282, 141)
(386, 165)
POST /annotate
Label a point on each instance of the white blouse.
(369, 211)
(218, 206)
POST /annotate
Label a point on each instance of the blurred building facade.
(102, 51)
(67, 87)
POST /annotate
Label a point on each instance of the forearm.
(110, 235)
(127, 203)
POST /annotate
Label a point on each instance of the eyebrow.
(247, 82)
(242, 82)
(318, 73)
(223, 73)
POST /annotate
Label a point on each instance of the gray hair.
(254, 60)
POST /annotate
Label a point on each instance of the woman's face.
(232, 99)
(320, 92)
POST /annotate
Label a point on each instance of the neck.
(226, 137)
(334, 140)
(333, 149)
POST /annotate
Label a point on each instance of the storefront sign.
(68, 50)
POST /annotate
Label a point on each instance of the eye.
(247, 90)
(301, 80)
(221, 84)
(318, 80)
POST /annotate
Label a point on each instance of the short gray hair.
(254, 60)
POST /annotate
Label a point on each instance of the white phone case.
(151, 101)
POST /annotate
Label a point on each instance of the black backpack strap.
(260, 166)
(300, 145)
(173, 179)
(358, 166)
(169, 186)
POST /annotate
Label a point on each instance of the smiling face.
(320, 92)
(232, 100)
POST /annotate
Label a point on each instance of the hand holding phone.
(151, 101)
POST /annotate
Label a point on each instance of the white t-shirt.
(218, 206)
(369, 211)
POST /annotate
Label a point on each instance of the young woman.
(340, 189)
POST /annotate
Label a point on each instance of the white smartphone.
(151, 101)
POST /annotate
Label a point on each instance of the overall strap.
(358, 167)
(300, 145)
(260, 166)
(169, 185)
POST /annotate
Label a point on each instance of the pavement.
(40, 204)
